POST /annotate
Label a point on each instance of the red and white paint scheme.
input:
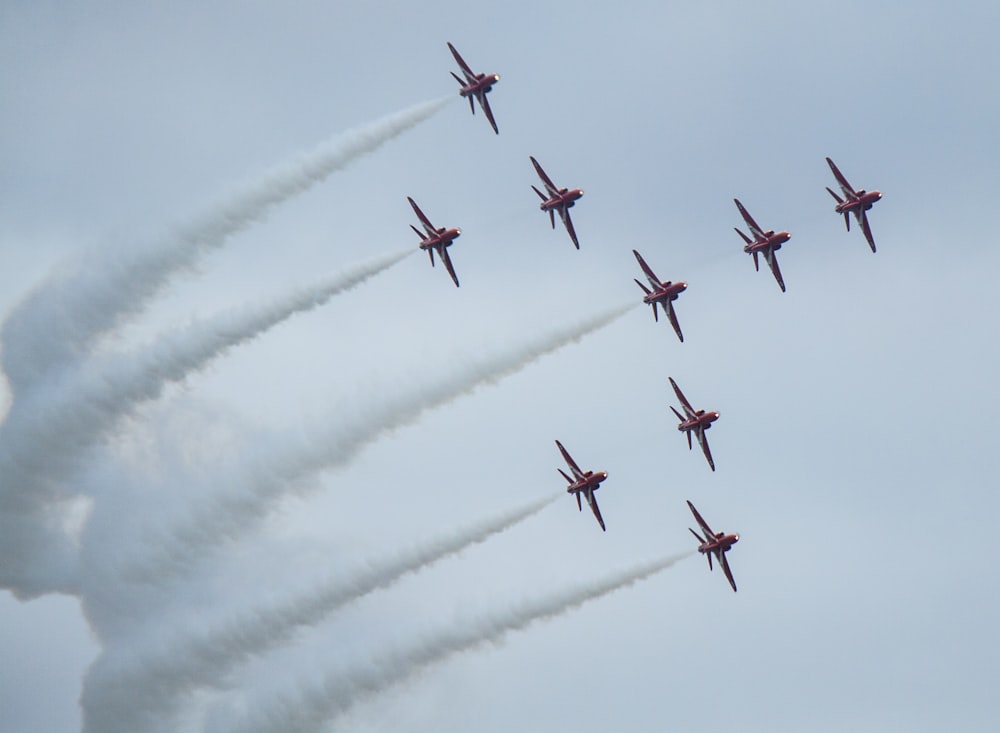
(662, 292)
(714, 543)
(583, 482)
(475, 86)
(764, 243)
(854, 202)
(694, 421)
(435, 239)
(556, 199)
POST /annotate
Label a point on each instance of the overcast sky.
(855, 442)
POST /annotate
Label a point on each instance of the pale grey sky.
(855, 442)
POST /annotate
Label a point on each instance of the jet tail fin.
(541, 195)
(835, 196)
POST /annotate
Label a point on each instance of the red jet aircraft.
(714, 543)
(694, 421)
(765, 243)
(477, 86)
(432, 239)
(558, 199)
(583, 482)
(664, 293)
(857, 203)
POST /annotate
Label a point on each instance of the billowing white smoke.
(143, 690)
(58, 323)
(273, 477)
(316, 706)
(46, 436)
(55, 327)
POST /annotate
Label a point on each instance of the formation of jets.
(558, 200)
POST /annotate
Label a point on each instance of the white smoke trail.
(315, 707)
(57, 323)
(267, 481)
(143, 693)
(45, 437)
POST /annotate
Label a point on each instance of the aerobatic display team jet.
(583, 482)
(765, 243)
(694, 421)
(558, 200)
(475, 86)
(438, 239)
(664, 293)
(714, 543)
(857, 203)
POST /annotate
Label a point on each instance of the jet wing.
(672, 315)
(863, 220)
(680, 395)
(577, 473)
(772, 262)
(549, 185)
(564, 215)
(485, 104)
(757, 232)
(446, 258)
(701, 522)
(844, 185)
(703, 442)
(725, 568)
(420, 215)
(592, 500)
(650, 275)
(469, 74)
